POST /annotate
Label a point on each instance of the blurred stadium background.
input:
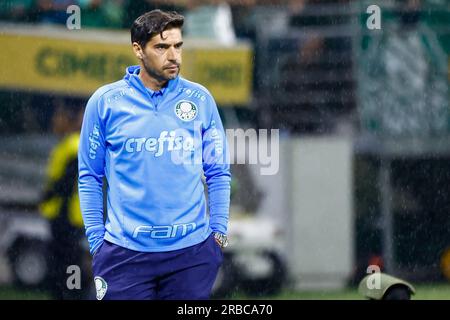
(364, 161)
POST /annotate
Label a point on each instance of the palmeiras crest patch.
(186, 110)
(101, 287)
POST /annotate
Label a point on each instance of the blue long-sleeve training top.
(153, 148)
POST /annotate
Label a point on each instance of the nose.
(172, 54)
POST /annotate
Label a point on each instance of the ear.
(137, 49)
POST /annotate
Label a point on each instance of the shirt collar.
(156, 93)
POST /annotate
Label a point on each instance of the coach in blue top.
(153, 135)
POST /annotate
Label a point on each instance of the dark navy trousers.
(185, 274)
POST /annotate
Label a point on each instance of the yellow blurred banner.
(77, 67)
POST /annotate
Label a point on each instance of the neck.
(149, 81)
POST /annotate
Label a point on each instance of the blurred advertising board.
(77, 62)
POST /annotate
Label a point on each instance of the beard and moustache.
(160, 75)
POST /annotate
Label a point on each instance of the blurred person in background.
(16, 10)
(210, 20)
(51, 11)
(407, 75)
(102, 13)
(60, 201)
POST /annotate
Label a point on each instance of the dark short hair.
(152, 23)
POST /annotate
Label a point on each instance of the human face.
(161, 56)
(60, 121)
(65, 122)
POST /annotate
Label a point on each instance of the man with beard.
(153, 135)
